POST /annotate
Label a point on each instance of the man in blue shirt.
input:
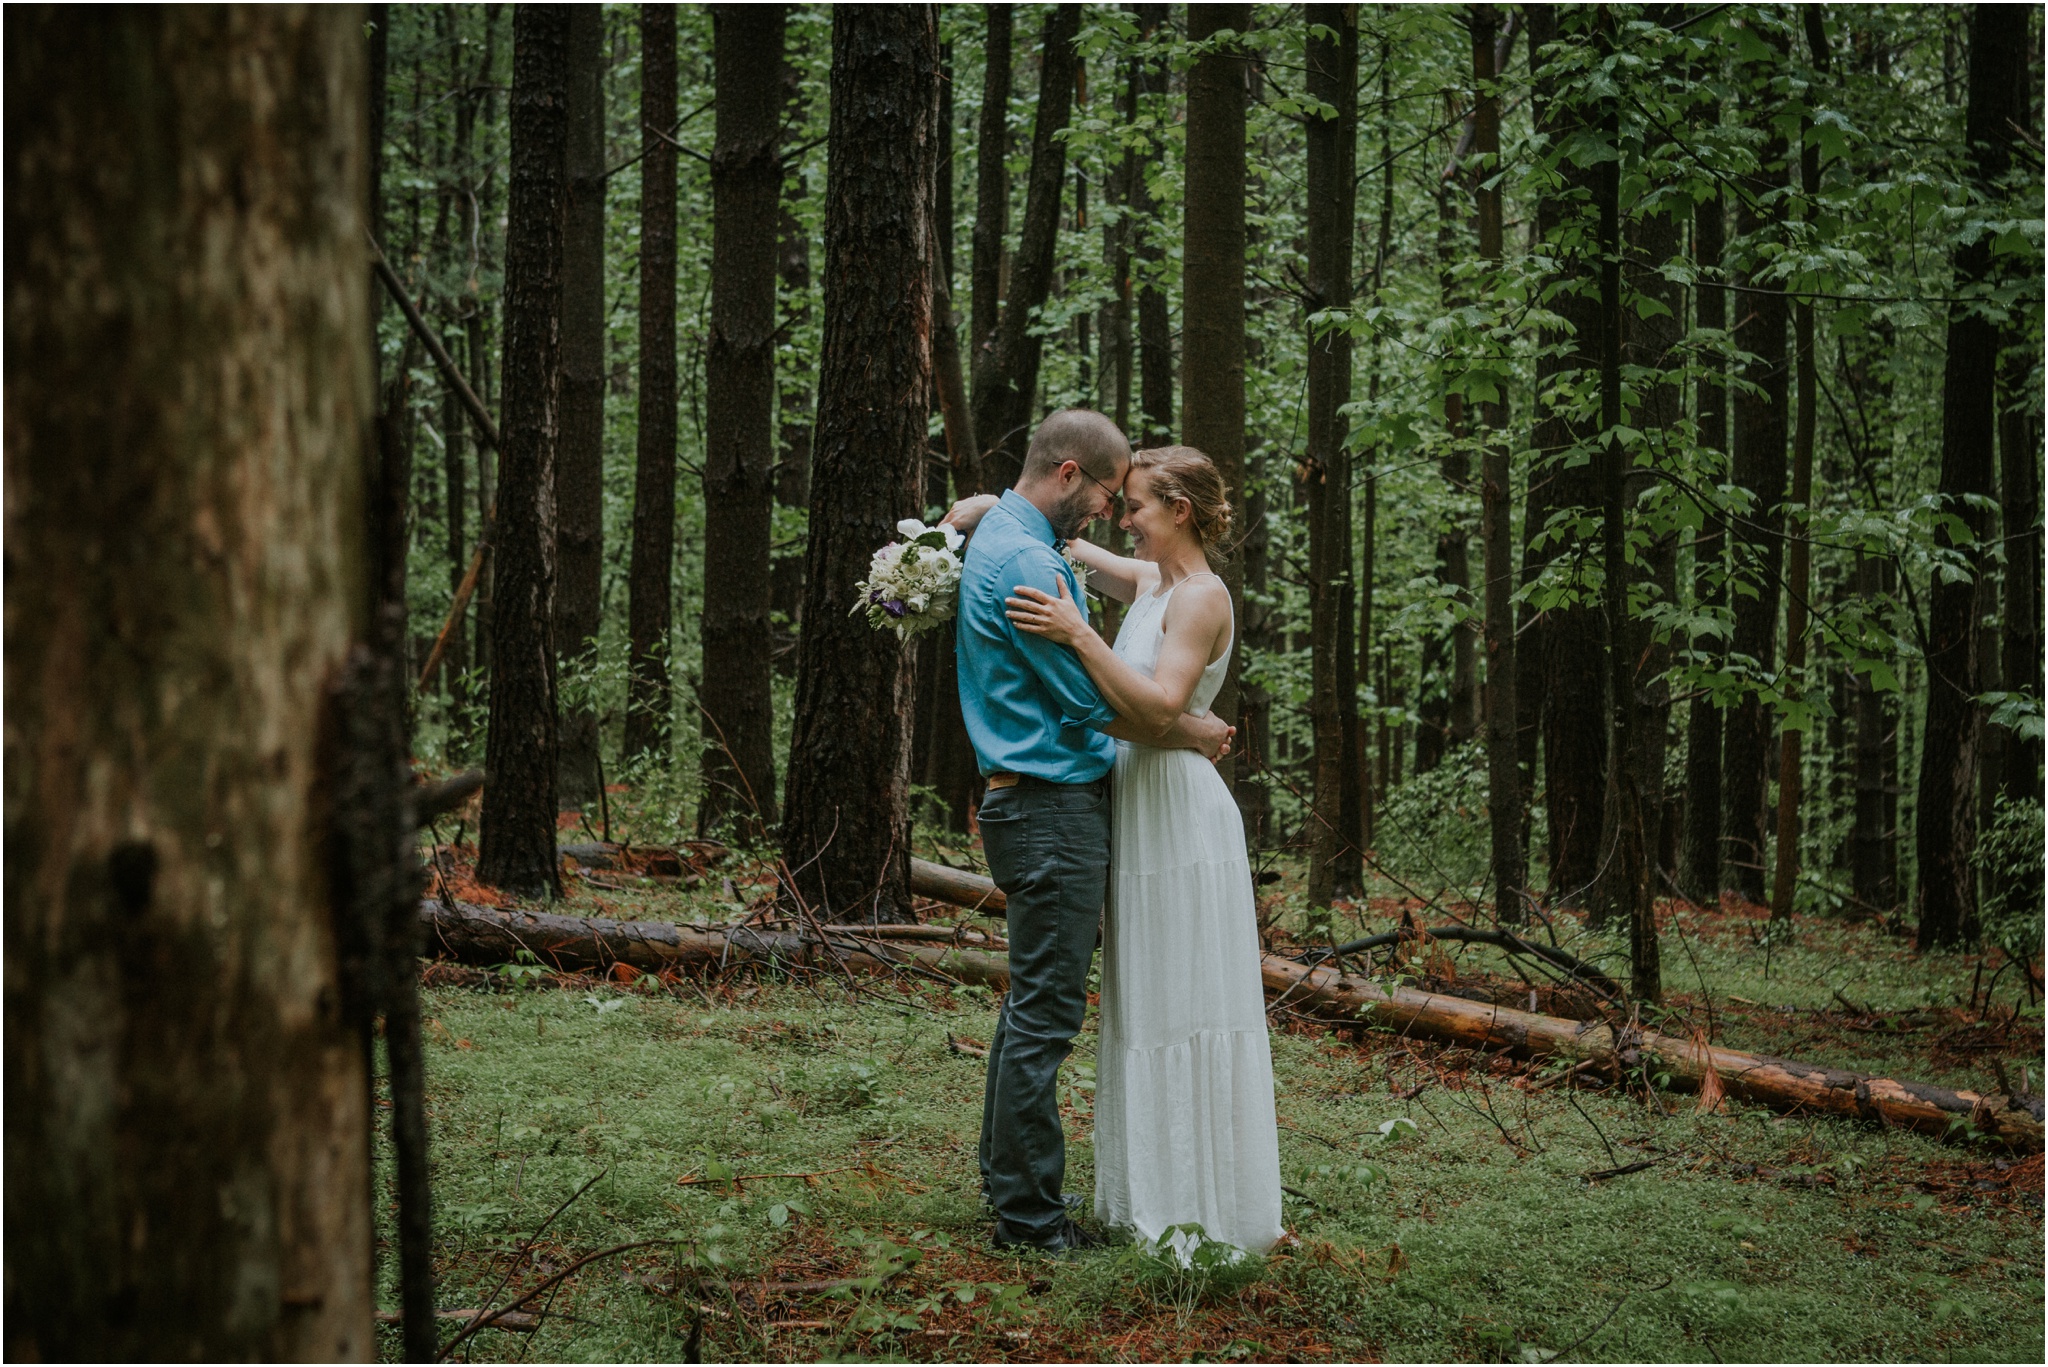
(1045, 741)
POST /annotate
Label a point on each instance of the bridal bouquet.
(913, 584)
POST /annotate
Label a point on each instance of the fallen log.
(486, 935)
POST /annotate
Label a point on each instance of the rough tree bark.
(846, 821)
(1006, 373)
(1946, 825)
(1332, 80)
(579, 457)
(517, 846)
(1503, 760)
(735, 692)
(1757, 548)
(187, 1102)
(1212, 289)
(648, 605)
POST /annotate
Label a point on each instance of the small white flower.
(910, 526)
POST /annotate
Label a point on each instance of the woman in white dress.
(1184, 1122)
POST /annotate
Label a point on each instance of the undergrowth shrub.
(2010, 856)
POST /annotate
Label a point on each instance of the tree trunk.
(188, 1167)
(1622, 892)
(1373, 776)
(1574, 733)
(991, 193)
(793, 464)
(1756, 540)
(579, 462)
(1155, 333)
(1006, 382)
(1503, 761)
(648, 605)
(1332, 80)
(1798, 553)
(1212, 291)
(2019, 506)
(1946, 834)
(1699, 872)
(738, 758)
(845, 828)
(950, 769)
(517, 847)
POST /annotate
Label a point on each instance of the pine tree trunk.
(517, 846)
(649, 607)
(793, 463)
(1623, 890)
(1699, 871)
(846, 829)
(579, 462)
(1503, 760)
(187, 1110)
(1332, 80)
(991, 197)
(1574, 735)
(1946, 825)
(738, 764)
(1005, 386)
(1212, 294)
(1756, 540)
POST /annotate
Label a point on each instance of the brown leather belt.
(1004, 780)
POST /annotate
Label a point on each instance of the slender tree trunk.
(1946, 833)
(1574, 738)
(1503, 761)
(1156, 367)
(1454, 715)
(1756, 539)
(1332, 81)
(1005, 387)
(579, 464)
(793, 462)
(1625, 879)
(1799, 562)
(1212, 294)
(2019, 504)
(518, 824)
(991, 193)
(738, 764)
(1372, 779)
(846, 822)
(187, 1110)
(649, 607)
(1699, 872)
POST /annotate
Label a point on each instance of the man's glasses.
(1116, 500)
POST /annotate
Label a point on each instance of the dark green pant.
(1048, 849)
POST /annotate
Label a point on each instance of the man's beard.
(1072, 513)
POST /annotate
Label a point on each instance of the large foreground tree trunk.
(738, 765)
(1212, 291)
(187, 1102)
(1946, 821)
(518, 823)
(579, 462)
(845, 830)
(648, 602)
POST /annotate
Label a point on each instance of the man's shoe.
(1068, 1238)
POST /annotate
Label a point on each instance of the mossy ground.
(1473, 1233)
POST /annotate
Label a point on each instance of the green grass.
(1753, 1237)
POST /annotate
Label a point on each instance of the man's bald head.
(1079, 435)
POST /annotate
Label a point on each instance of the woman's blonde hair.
(1184, 472)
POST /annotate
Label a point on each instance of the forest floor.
(1444, 1206)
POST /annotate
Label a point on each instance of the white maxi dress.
(1184, 1121)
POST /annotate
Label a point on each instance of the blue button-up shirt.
(1030, 707)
